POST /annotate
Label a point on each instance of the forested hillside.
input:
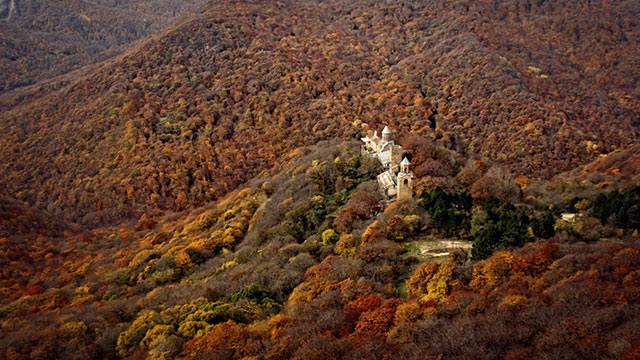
(537, 87)
(304, 262)
(41, 39)
(202, 195)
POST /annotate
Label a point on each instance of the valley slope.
(196, 111)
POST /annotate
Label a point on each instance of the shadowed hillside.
(41, 39)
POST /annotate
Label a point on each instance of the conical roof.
(386, 130)
(405, 161)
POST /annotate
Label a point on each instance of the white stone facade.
(396, 181)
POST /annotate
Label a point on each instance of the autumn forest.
(185, 179)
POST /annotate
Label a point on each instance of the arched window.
(406, 181)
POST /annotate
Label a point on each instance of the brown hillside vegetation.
(537, 86)
(41, 39)
(618, 170)
(18, 218)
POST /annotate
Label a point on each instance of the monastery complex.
(396, 181)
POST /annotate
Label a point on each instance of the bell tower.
(405, 180)
(386, 135)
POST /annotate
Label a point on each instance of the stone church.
(396, 181)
